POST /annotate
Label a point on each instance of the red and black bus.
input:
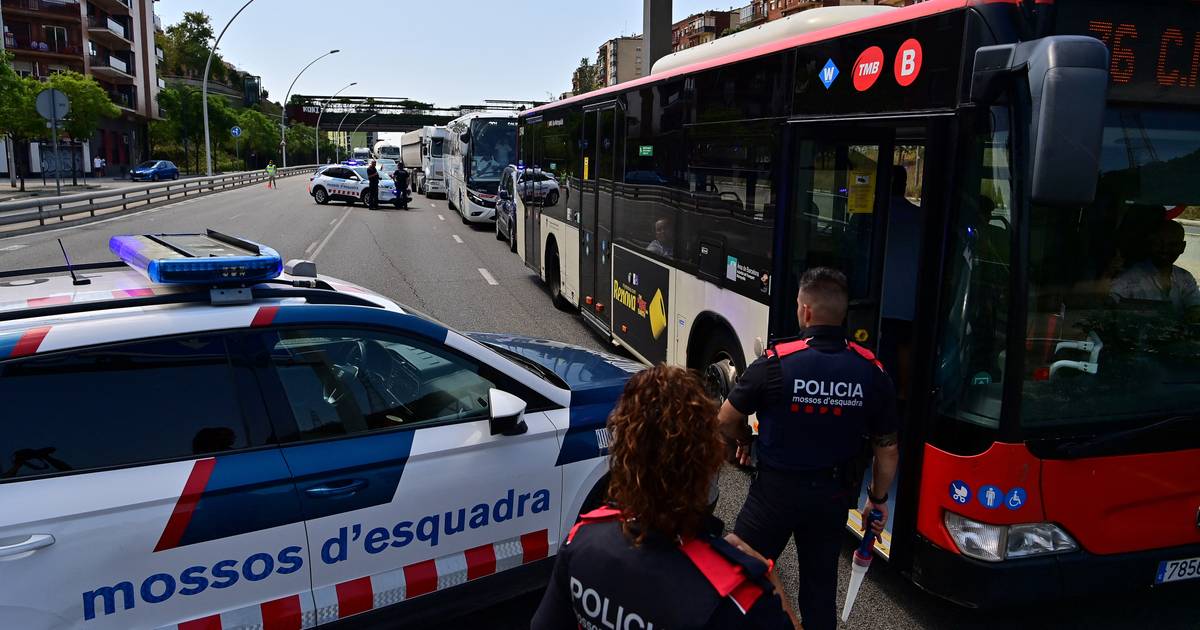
(1012, 188)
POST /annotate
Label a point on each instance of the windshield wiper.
(544, 372)
(1091, 446)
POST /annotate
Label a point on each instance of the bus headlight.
(995, 543)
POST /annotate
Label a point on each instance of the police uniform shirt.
(601, 581)
(815, 398)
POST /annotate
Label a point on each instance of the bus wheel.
(722, 364)
(554, 281)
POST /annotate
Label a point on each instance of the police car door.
(139, 488)
(405, 489)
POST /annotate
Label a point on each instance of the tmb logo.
(908, 62)
(868, 68)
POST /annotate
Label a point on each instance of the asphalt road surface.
(426, 258)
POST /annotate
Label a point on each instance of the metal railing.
(65, 8)
(35, 214)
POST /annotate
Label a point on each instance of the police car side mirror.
(508, 413)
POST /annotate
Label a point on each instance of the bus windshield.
(493, 146)
(1113, 334)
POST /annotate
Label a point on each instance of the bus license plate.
(1176, 570)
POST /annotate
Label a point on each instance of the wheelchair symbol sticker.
(1015, 499)
(960, 492)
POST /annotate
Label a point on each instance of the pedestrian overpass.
(380, 114)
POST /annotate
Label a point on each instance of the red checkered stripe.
(294, 612)
(384, 589)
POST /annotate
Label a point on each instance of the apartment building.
(111, 40)
(760, 11)
(620, 59)
(701, 27)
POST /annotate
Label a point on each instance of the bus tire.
(554, 278)
(720, 363)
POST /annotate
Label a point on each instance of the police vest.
(819, 419)
(709, 581)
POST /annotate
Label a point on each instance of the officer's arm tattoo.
(884, 441)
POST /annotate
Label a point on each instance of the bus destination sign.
(1154, 45)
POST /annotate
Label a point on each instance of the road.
(427, 258)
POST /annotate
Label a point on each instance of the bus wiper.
(1084, 448)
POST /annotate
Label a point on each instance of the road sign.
(52, 104)
(236, 132)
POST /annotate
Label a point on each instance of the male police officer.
(816, 397)
(372, 186)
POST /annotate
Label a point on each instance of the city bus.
(1011, 189)
(481, 145)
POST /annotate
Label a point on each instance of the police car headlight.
(994, 543)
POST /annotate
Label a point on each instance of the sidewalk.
(35, 187)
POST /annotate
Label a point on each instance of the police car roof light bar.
(211, 258)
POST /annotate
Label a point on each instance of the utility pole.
(656, 30)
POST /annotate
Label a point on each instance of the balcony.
(115, 7)
(112, 68)
(124, 100)
(55, 11)
(158, 52)
(162, 85)
(158, 24)
(51, 49)
(109, 32)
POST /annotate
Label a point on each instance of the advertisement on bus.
(640, 301)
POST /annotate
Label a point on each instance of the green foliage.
(260, 134)
(586, 77)
(18, 115)
(186, 47)
(89, 103)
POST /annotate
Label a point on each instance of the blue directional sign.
(236, 132)
(960, 492)
(1015, 499)
(829, 73)
(990, 497)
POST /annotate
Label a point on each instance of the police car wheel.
(320, 196)
(552, 198)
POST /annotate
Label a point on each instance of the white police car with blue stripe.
(198, 438)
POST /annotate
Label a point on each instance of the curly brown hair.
(665, 452)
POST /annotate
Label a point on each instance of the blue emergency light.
(207, 259)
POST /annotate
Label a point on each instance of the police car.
(348, 182)
(202, 437)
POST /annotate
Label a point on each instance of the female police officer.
(655, 559)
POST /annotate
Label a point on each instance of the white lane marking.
(488, 276)
(441, 218)
(11, 248)
(235, 216)
(332, 221)
(457, 239)
(311, 247)
(317, 251)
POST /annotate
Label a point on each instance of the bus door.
(600, 157)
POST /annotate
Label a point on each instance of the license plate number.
(1176, 570)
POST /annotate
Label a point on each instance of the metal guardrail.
(20, 215)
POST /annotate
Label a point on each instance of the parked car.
(154, 170)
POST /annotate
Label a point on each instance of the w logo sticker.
(829, 73)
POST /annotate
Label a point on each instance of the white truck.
(386, 150)
(423, 152)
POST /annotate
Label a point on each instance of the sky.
(446, 52)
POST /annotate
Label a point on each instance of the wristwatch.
(876, 500)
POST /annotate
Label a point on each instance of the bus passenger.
(902, 257)
(657, 554)
(661, 244)
(1158, 278)
(815, 398)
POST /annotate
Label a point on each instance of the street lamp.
(361, 124)
(283, 114)
(204, 89)
(317, 129)
(338, 155)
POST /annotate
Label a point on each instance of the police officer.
(373, 186)
(657, 560)
(816, 397)
(400, 177)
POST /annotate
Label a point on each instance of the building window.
(55, 37)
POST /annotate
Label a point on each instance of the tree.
(19, 119)
(300, 144)
(184, 120)
(260, 135)
(586, 77)
(89, 103)
(187, 44)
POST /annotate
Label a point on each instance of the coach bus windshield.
(1112, 335)
(493, 146)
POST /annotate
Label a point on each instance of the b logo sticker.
(908, 62)
(868, 68)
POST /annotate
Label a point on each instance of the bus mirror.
(465, 137)
(1068, 88)
(1067, 80)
